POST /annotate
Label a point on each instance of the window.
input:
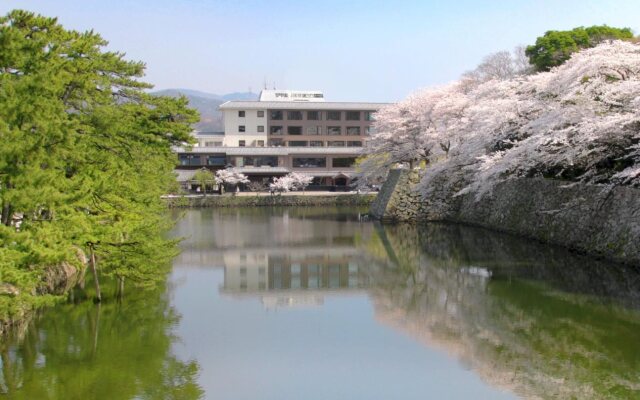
(354, 143)
(260, 143)
(276, 142)
(212, 144)
(295, 269)
(189, 159)
(333, 115)
(241, 143)
(353, 116)
(294, 130)
(260, 161)
(294, 115)
(314, 130)
(260, 114)
(241, 128)
(276, 130)
(316, 143)
(369, 130)
(336, 143)
(298, 143)
(260, 128)
(276, 114)
(241, 114)
(334, 130)
(313, 115)
(270, 161)
(216, 160)
(334, 276)
(309, 162)
(343, 162)
(353, 131)
(369, 116)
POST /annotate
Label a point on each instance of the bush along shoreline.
(86, 155)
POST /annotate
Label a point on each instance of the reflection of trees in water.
(115, 350)
(533, 319)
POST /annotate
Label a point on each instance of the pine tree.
(86, 156)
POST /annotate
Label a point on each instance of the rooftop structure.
(290, 95)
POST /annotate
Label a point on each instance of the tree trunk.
(120, 292)
(98, 298)
(6, 214)
(7, 372)
(96, 330)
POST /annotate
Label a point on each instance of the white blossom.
(578, 122)
(230, 177)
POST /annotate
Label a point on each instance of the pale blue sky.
(351, 50)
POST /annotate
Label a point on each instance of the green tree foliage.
(120, 351)
(85, 155)
(555, 47)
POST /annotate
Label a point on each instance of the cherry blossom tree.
(291, 182)
(300, 181)
(231, 178)
(578, 122)
(282, 184)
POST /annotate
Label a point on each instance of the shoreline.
(263, 199)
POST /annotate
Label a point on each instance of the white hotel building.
(285, 131)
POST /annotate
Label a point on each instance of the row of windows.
(259, 161)
(243, 114)
(255, 161)
(315, 115)
(243, 128)
(193, 159)
(319, 115)
(321, 162)
(243, 143)
(311, 130)
(317, 130)
(316, 143)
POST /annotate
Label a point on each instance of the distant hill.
(207, 104)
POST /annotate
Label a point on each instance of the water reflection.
(289, 279)
(274, 301)
(536, 320)
(115, 350)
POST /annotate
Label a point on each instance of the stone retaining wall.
(595, 219)
(398, 200)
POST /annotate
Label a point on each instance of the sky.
(351, 50)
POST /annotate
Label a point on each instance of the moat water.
(320, 303)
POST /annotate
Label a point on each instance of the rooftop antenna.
(274, 85)
(264, 82)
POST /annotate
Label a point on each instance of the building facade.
(286, 131)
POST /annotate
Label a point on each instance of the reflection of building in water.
(293, 277)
